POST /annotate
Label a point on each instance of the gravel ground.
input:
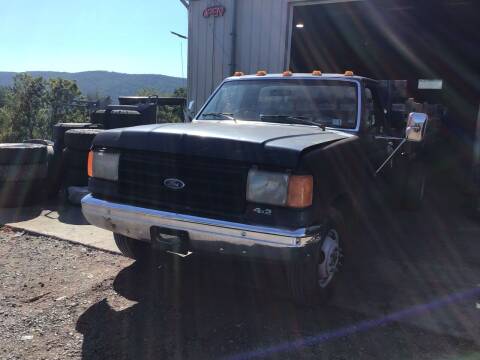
(64, 301)
(45, 286)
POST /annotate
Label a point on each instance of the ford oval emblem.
(174, 184)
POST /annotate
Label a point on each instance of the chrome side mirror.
(416, 126)
(189, 114)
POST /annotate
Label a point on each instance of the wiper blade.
(223, 115)
(288, 119)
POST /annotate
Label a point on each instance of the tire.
(22, 154)
(75, 177)
(21, 193)
(23, 172)
(307, 287)
(134, 249)
(60, 129)
(80, 139)
(75, 194)
(98, 117)
(413, 189)
(123, 118)
(74, 159)
(39, 141)
(55, 173)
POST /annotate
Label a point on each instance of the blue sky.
(78, 35)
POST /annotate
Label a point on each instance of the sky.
(80, 35)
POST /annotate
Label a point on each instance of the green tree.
(169, 114)
(24, 109)
(3, 96)
(180, 92)
(60, 95)
(31, 106)
(4, 125)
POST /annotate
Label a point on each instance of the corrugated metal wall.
(261, 41)
(262, 32)
(209, 48)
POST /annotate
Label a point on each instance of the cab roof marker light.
(287, 73)
(317, 73)
(349, 73)
(238, 73)
(261, 73)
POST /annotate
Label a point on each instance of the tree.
(180, 92)
(25, 108)
(170, 114)
(3, 96)
(31, 106)
(60, 95)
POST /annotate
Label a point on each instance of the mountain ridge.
(107, 83)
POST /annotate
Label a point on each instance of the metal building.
(434, 44)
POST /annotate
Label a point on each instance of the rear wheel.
(311, 280)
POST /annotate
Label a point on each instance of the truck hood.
(256, 143)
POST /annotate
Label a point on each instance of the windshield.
(331, 103)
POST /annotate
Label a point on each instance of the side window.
(228, 100)
(374, 115)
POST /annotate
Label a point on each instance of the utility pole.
(181, 37)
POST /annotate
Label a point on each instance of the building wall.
(209, 47)
(261, 42)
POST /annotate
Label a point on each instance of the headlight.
(267, 187)
(279, 189)
(103, 165)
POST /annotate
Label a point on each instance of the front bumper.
(204, 234)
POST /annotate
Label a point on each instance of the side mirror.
(189, 114)
(416, 126)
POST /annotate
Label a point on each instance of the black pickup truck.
(264, 171)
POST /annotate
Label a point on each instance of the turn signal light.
(317, 73)
(90, 163)
(261, 73)
(238, 73)
(300, 191)
(287, 73)
(349, 73)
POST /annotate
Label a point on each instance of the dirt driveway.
(417, 297)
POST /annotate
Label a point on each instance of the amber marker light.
(287, 73)
(348, 73)
(300, 191)
(238, 73)
(261, 73)
(317, 73)
(90, 163)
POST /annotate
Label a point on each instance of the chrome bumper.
(203, 233)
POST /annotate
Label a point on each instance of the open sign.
(215, 11)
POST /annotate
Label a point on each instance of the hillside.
(107, 83)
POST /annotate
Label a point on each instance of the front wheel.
(134, 249)
(311, 280)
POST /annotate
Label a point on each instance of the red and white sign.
(214, 11)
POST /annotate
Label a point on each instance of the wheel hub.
(330, 260)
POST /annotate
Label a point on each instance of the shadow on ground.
(200, 309)
(413, 296)
(12, 215)
(55, 208)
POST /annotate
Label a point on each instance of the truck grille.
(211, 185)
